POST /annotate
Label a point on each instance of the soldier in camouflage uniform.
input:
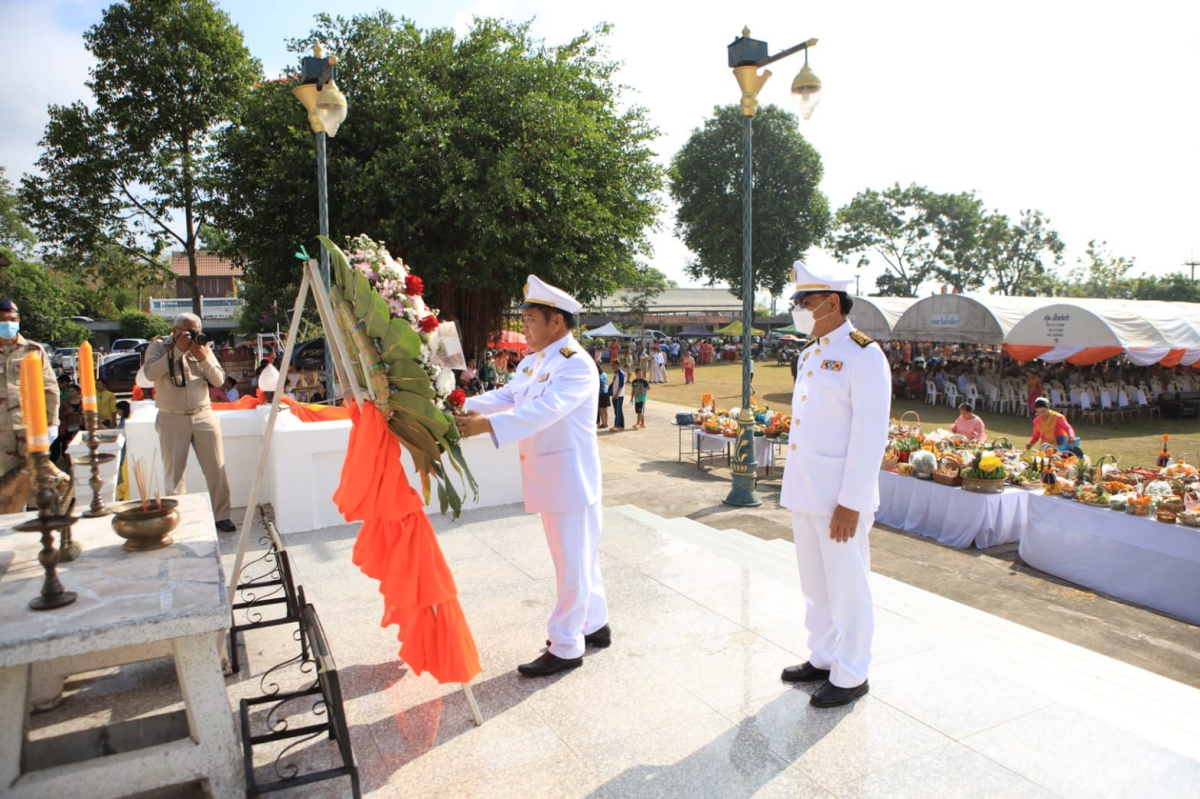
(14, 347)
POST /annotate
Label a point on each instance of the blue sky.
(1090, 113)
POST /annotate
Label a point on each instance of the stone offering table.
(132, 606)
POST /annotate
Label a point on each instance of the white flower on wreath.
(444, 383)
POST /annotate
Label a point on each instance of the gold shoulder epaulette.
(861, 339)
(568, 352)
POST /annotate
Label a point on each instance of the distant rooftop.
(208, 264)
(677, 300)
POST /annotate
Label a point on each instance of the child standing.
(641, 387)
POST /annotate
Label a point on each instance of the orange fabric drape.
(1024, 353)
(302, 411)
(1173, 358)
(396, 545)
(1093, 355)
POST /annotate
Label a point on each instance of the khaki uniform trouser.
(176, 434)
(12, 447)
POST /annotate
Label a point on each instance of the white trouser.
(839, 612)
(574, 540)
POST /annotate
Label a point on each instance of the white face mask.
(804, 321)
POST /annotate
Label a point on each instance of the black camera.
(197, 336)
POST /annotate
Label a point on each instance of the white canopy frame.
(877, 316)
(1149, 327)
(964, 319)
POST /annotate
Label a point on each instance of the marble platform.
(688, 701)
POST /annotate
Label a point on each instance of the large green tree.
(963, 249)
(791, 214)
(892, 225)
(1023, 255)
(133, 169)
(1099, 274)
(478, 159)
(15, 235)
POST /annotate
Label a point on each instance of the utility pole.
(1193, 263)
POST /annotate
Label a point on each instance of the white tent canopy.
(1149, 329)
(877, 316)
(606, 331)
(963, 319)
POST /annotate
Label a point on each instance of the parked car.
(65, 358)
(119, 372)
(128, 344)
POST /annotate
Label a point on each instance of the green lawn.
(1134, 441)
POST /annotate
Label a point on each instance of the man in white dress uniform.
(549, 410)
(840, 407)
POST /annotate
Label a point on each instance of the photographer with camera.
(183, 367)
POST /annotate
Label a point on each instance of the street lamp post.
(746, 57)
(326, 106)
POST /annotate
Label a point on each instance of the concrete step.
(746, 550)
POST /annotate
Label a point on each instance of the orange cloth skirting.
(397, 546)
(302, 411)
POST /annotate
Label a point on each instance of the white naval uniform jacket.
(549, 409)
(840, 407)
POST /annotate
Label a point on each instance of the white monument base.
(305, 465)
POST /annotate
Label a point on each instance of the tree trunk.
(478, 313)
(190, 221)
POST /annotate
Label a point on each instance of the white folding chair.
(1144, 405)
(931, 392)
(951, 393)
(1086, 410)
(1106, 406)
(972, 397)
(1123, 404)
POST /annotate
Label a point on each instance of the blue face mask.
(9, 329)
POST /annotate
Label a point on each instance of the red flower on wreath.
(414, 286)
(429, 323)
(457, 398)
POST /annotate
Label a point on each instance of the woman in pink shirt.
(968, 424)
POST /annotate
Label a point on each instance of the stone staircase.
(1154, 707)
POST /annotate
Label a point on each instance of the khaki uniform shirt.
(10, 376)
(163, 357)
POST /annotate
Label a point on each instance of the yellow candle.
(87, 376)
(33, 395)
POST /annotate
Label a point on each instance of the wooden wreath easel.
(311, 280)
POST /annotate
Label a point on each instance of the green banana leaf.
(413, 385)
(403, 367)
(339, 265)
(362, 296)
(401, 339)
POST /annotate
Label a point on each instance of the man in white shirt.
(840, 409)
(660, 366)
(549, 410)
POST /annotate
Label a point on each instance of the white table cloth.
(764, 453)
(1132, 558)
(952, 516)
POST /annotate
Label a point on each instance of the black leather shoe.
(601, 638)
(548, 664)
(805, 672)
(829, 695)
(226, 526)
